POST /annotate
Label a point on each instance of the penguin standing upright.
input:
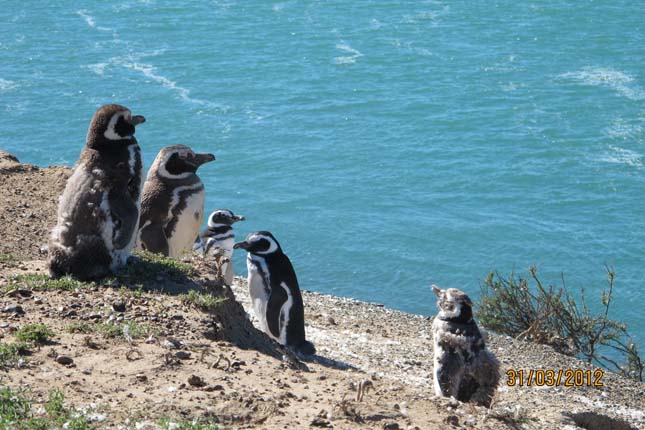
(463, 367)
(172, 206)
(98, 212)
(274, 291)
(219, 238)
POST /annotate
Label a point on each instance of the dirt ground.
(181, 362)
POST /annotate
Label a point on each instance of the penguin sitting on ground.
(274, 291)
(172, 206)
(463, 367)
(98, 212)
(218, 239)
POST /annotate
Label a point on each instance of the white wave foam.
(98, 68)
(347, 59)
(619, 81)
(623, 156)
(89, 19)
(6, 85)
(623, 129)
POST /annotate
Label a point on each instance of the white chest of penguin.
(258, 290)
(189, 221)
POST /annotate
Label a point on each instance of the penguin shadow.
(200, 287)
(327, 362)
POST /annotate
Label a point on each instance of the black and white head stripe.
(122, 125)
(223, 217)
(454, 305)
(179, 162)
(112, 123)
(260, 243)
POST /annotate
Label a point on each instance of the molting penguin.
(274, 291)
(219, 238)
(463, 368)
(172, 206)
(98, 212)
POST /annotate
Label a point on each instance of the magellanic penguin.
(274, 291)
(98, 212)
(172, 206)
(218, 239)
(463, 367)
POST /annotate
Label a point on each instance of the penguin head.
(454, 305)
(260, 243)
(112, 123)
(178, 162)
(223, 216)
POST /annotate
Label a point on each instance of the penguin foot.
(306, 348)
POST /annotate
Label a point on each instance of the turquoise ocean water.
(387, 144)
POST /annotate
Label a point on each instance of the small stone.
(93, 317)
(20, 292)
(14, 309)
(140, 377)
(171, 343)
(196, 381)
(391, 426)
(178, 317)
(38, 301)
(320, 422)
(119, 306)
(331, 321)
(452, 420)
(86, 371)
(182, 355)
(65, 360)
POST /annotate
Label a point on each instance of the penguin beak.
(200, 159)
(136, 120)
(237, 218)
(243, 245)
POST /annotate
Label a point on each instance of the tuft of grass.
(8, 260)
(16, 413)
(39, 282)
(38, 334)
(128, 330)
(11, 353)
(147, 265)
(81, 327)
(526, 308)
(169, 424)
(204, 301)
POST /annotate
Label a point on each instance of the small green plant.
(147, 266)
(8, 260)
(16, 413)
(169, 424)
(550, 315)
(38, 282)
(81, 327)
(127, 331)
(203, 301)
(11, 353)
(38, 334)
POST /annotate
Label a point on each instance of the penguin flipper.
(274, 311)
(154, 239)
(124, 216)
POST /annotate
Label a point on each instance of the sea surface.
(387, 144)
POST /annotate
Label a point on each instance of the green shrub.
(550, 315)
(34, 333)
(206, 302)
